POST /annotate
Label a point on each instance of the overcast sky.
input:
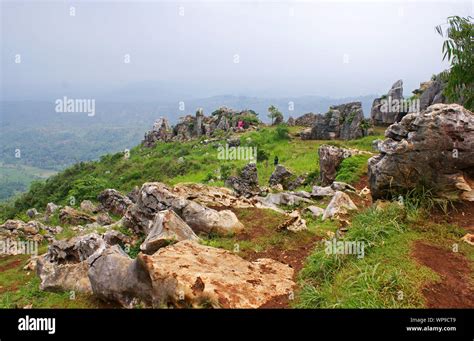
(253, 48)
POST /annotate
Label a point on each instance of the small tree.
(275, 115)
(458, 49)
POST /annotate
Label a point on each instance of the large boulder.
(64, 267)
(71, 216)
(433, 148)
(167, 228)
(345, 121)
(188, 274)
(306, 120)
(285, 178)
(330, 157)
(383, 114)
(339, 205)
(113, 201)
(155, 197)
(161, 132)
(114, 276)
(247, 183)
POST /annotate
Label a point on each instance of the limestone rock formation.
(330, 157)
(339, 205)
(345, 121)
(431, 92)
(64, 267)
(386, 114)
(113, 201)
(189, 127)
(306, 120)
(155, 197)
(247, 183)
(288, 180)
(167, 227)
(71, 216)
(187, 274)
(114, 276)
(433, 148)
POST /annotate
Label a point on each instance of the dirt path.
(455, 290)
(462, 215)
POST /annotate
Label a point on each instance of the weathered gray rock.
(294, 223)
(167, 228)
(114, 276)
(161, 132)
(306, 120)
(32, 212)
(103, 218)
(433, 148)
(342, 186)
(339, 205)
(384, 108)
(88, 207)
(247, 183)
(51, 207)
(64, 277)
(155, 197)
(71, 216)
(319, 192)
(345, 121)
(288, 180)
(187, 274)
(283, 198)
(65, 265)
(113, 201)
(330, 157)
(315, 211)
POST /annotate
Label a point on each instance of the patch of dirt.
(455, 290)
(258, 223)
(363, 182)
(462, 215)
(13, 264)
(295, 258)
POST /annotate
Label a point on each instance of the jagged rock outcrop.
(433, 148)
(161, 132)
(51, 208)
(189, 127)
(431, 92)
(88, 207)
(71, 216)
(345, 121)
(64, 267)
(211, 196)
(291, 122)
(115, 277)
(30, 231)
(388, 109)
(167, 228)
(247, 183)
(330, 157)
(155, 197)
(306, 120)
(113, 201)
(285, 178)
(187, 274)
(339, 205)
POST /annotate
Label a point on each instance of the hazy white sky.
(254, 48)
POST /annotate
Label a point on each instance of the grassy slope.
(162, 163)
(386, 277)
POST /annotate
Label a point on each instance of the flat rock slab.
(188, 274)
